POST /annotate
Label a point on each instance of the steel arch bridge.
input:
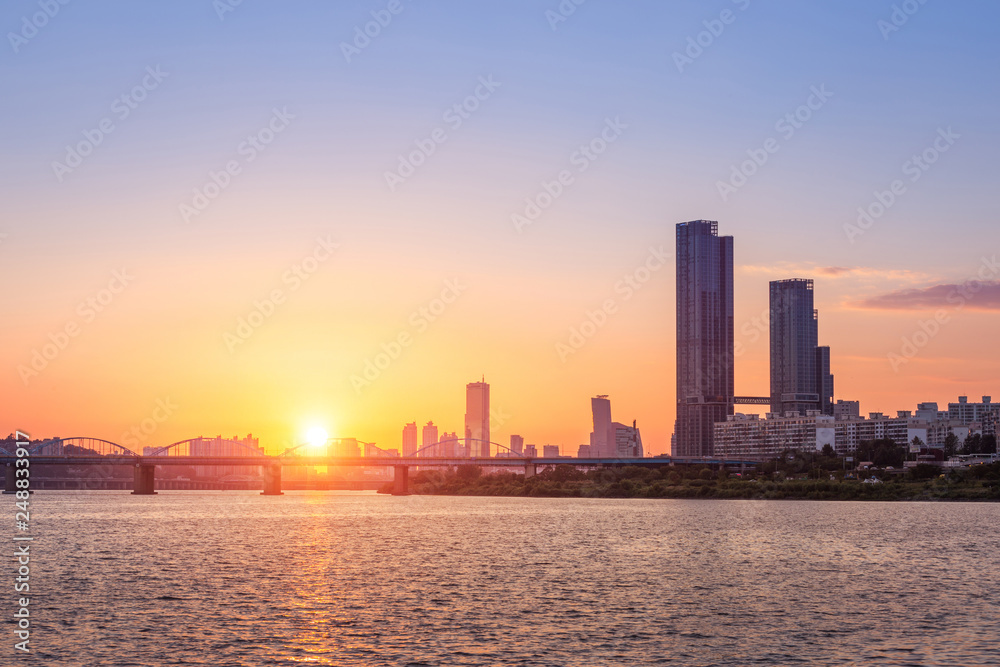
(461, 440)
(81, 446)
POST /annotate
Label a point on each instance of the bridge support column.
(272, 481)
(143, 485)
(529, 470)
(10, 479)
(401, 481)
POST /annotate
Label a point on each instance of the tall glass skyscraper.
(800, 368)
(705, 378)
(477, 419)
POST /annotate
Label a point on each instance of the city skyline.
(149, 302)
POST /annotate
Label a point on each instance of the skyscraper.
(602, 439)
(477, 419)
(410, 439)
(800, 368)
(428, 437)
(705, 379)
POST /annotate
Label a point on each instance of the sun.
(316, 439)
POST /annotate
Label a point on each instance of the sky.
(224, 217)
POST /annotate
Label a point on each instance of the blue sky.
(684, 130)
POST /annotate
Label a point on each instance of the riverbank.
(981, 483)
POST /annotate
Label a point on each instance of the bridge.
(94, 452)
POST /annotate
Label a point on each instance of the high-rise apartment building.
(800, 369)
(966, 412)
(410, 439)
(705, 379)
(449, 445)
(848, 409)
(477, 419)
(429, 438)
(516, 444)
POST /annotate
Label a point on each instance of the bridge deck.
(371, 461)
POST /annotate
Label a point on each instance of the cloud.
(973, 295)
(807, 270)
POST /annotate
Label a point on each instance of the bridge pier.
(272, 481)
(143, 484)
(10, 479)
(529, 470)
(401, 481)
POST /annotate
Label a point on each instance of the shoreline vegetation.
(772, 481)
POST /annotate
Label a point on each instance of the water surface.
(326, 578)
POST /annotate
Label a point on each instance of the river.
(327, 578)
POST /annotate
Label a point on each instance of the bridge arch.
(480, 440)
(57, 447)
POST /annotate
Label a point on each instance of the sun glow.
(316, 439)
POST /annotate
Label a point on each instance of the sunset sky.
(309, 119)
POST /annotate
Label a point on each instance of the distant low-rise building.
(550, 451)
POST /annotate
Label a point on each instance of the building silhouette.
(602, 439)
(628, 441)
(705, 378)
(410, 439)
(516, 444)
(610, 439)
(449, 445)
(429, 438)
(477, 419)
(800, 369)
(219, 446)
